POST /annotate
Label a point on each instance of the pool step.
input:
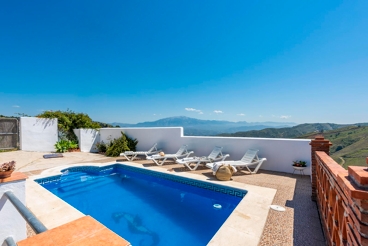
(85, 188)
(76, 178)
(77, 184)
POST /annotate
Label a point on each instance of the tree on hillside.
(69, 120)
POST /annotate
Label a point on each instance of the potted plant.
(6, 169)
(299, 165)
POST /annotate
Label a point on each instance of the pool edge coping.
(244, 225)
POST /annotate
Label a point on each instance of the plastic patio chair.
(160, 159)
(215, 155)
(250, 158)
(131, 155)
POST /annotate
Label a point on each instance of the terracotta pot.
(74, 150)
(5, 174)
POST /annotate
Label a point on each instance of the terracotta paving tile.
(15, 176)
(102, 237)
(83, 231)
(85, 226)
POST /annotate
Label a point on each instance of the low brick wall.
(342, 198)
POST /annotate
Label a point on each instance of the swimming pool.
(147, 207)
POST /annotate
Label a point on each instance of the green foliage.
(4, 116)
(68, 120)
(119, 145)
(101, 147)
(63, 145)
(73, 144)
(104, 125)
(132, 143)
(7, 150)
(349, 144)
(299, 163)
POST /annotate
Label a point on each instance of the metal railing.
(29, 217)
(10, 241)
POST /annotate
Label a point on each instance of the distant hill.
(349, 144)
(349, 141)
(196, 127)
(286, 132)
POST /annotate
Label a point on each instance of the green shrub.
(119, 145)
(63, 146)
(101, 147)
(73, 144)
(132, 143)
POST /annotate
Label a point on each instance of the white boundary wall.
(280, 153)
(38, 134)
(87, 139)
(11, 222)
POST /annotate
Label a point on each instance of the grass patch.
(7, 150)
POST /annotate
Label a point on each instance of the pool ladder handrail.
(29, 217)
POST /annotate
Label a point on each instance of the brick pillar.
(318, 144)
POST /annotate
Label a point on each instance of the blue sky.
(134, 61)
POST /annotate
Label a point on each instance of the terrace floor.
(298, 225)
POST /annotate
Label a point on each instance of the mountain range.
(197, 127)
(287, 132)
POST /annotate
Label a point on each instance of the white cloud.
(16, 106)
(194, 110)
(241, 114)
(190, 109)
(217, 111)
(285, 116)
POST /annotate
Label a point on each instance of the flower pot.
(74, 150)
(299, 168)
(5, 174)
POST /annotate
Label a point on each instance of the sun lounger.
(160, 159)
(249, 159)
(215, 155)
(131, 155)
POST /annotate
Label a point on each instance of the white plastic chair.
(160, 160)
(215, 155)
(131, 155)
(250, 158)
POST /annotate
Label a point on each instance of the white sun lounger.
(249, 159)
(131, 155)
(215, 155)
(160, 160)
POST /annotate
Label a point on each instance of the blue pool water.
(146, 207)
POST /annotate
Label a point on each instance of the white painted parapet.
(87, 139)
(168, 138)
(11, 222)
(280, 152)
(38, 134)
